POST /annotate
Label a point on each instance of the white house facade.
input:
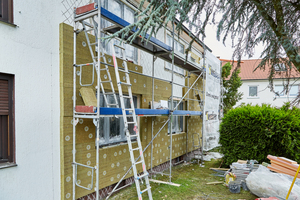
(29, 63)
(256, 86)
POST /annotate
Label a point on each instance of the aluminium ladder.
(197, 146)
(129, 113)
(99, 49)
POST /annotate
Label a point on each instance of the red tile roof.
(248, 73)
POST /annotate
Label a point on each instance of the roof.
(247, 68)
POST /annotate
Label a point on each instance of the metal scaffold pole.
(152, 107)
(171, 108)
(98, 98)
(203, 113)
(74, 103)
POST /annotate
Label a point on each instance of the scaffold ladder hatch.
(129, 118)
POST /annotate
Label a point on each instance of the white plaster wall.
(264, 94)
(30, 51)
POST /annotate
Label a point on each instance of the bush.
(253, 132)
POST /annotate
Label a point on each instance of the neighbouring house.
(36, 107)
(256, 85)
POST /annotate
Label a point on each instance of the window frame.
(280, 67)
(106, 46)
(283, 93)
(256, 96)
(11, 120)
(6, 11)
(168, 66)
(106, 139)
(178, 119)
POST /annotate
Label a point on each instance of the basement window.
(6, 11)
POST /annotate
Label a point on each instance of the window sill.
(252, 97)
(7, 165)
(115, 145)
(8, 23)
(176, 133)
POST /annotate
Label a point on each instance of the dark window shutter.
(4, 103)
(4, 139)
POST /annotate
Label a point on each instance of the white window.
(177, 47)
(252, 91)
(126, 13)
(112, 128)
(177, 122)
(293, 91)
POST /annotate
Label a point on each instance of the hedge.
(253, 132)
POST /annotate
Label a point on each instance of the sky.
(218, 48)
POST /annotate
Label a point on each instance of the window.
(178, 48)
(252, 91)
(6, 118)
(112, 128)
(6, 11)
(280, 92)
(294, 90)
(279, 67)
(126, 13)
(177, 122)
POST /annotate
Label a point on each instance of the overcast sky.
(218, 48)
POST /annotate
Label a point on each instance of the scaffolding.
(89, 17)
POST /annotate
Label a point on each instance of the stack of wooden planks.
(283, 165)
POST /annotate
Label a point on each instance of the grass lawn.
(193, 181)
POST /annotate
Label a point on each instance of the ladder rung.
(136, 149)
(121, 70)
(128, 97)
(119, 46)
(142, 176)
(145, 190)
(138, 162)
(133, 135)
(106, 81)
(112, 104)
(101, 69)
(130, 109)
(123, 83)
(94, 43)
(108, 93)
(130, 122)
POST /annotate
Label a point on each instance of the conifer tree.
(231, 84)
(274, 23)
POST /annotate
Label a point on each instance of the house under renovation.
(127, 111)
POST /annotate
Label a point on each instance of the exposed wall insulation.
(114, 160)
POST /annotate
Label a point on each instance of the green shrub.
(253, 132)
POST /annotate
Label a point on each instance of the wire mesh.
(68, 8)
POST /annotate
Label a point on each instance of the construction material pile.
(283, 165)
(242, 169)
(264, 183)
